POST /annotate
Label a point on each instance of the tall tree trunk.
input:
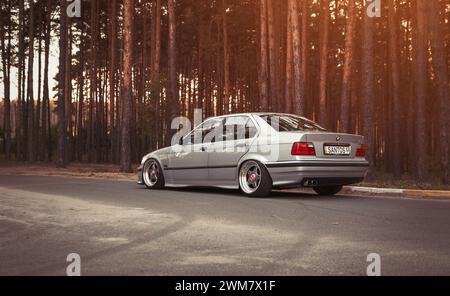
(395, 84)
(30, 95)
(156, 49)
(408, 100)
(226, 60)
(141, 123)
(37, 122)
(20, 100)
(61, 160)
(421, 90)
(305, 49)
(112, 77)
(442, 83)
(323, 71)
(155, 66)
(92, 139)
(201, 49)
(125, 157)
(289, 63)
(299, 93)
(347, 71)
(6, 67)
(46, 124)
(263, 68)
(68, 94)
(272, 56)
(368, 88)
(173, 78)
(80, 132)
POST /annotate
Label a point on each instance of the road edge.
(408, 193)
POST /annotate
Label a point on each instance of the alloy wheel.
(250, 177)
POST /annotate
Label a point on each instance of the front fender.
(161, 156)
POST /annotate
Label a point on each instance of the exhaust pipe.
(311, 183)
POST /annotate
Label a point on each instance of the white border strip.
(377, 190)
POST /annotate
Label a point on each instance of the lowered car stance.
(258, 152)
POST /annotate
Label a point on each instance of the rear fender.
(251, 156)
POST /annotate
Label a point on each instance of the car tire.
(328, 190)
(152, 174)
(249, 170)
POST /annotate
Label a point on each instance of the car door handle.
(241, 145)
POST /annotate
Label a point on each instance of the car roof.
(252, 113)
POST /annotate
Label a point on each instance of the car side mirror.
(181, 141)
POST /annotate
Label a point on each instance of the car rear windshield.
(291, 123)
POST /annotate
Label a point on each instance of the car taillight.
(361, 152)
(305, 149)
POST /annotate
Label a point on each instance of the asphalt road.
(120, 228)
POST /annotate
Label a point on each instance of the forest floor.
(386, 180)
(112, 172)
(80, 170)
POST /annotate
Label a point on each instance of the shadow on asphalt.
(276, 194)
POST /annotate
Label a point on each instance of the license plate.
(338, 150)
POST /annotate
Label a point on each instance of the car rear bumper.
(297, 173)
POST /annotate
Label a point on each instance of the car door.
(238, 133)
(188, 163)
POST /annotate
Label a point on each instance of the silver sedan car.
(257, 152)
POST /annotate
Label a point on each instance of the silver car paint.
(220, 169)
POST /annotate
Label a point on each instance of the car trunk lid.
(334, 145)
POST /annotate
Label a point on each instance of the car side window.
(195, 137)
(239, 128)
(208, 132)
(212, 131)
